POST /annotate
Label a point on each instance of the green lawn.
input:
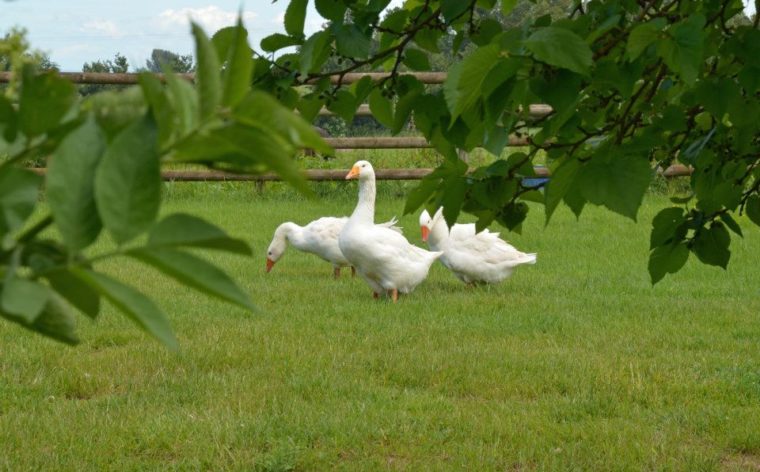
(574, 363)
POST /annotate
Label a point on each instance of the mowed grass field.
(576, 363)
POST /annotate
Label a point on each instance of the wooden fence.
(536, 111)
(327, 175)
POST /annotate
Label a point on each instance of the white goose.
(320, 237)
(458, 231)
(382, 257)
(473, 258)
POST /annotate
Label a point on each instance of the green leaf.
(139, 308)
(115, 110)
(667, 259)
(561, 48)
(350, 41)
(295, 15)
(8, 123)
(262, 110)
(642, 36)
(45, 100)
(344, 105)
(513, 215)
(618, 183)
(683, 52)
(18, 196)
(277, 41)
(315, 51)
(463, 84)
(451, 9)
(421, 193)
(752, 208)
(55, 320)
(71, 185)
(665, 225)
(245, 149)
(184, 100)
(333, 10)
(507, 6)
(563, 178)
(128, 182)
(158, 100)
(182, 230)
(711, 245)
(75, 291)
(454, 190)
(416, 59)
(381, 108)
(427, 39)
(729, 221)
(23, 298)
(238, 70)
(207, 73)
(194, 272)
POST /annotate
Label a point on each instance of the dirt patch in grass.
(742, 461)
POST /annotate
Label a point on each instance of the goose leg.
(394, 295)
(336, 272)
(353, 271)
(375, 295)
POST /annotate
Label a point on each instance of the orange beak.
(270, 264)
(425, 233)
(353, 173)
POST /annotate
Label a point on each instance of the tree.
(119, 65)
(634, 86)
(161, 58)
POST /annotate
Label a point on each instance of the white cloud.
(211, 18)
(102, 27)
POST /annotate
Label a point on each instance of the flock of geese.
(385, 259)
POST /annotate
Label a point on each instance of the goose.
(458, 231)
(472, 257)
(320, 237)
(382, 257)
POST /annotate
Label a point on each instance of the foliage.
(104, 178)
(117, 65)
(634, 86)
(161, 58)
(15, 52)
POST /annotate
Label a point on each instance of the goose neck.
(439, 235)
(365, 207)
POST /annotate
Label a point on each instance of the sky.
(74, 32)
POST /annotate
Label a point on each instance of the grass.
(574, 363)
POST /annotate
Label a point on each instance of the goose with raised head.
(320, 237)
(382, 257)
(458, 231)
(472, 257)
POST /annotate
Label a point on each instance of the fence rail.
(397, 143)
(326, 175)
(536, 111)
(129, 78)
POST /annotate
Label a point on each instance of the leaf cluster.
(633, 87)
(104, 155)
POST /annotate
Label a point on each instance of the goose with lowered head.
(320, 237)
(382, 257)
(472, 257)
